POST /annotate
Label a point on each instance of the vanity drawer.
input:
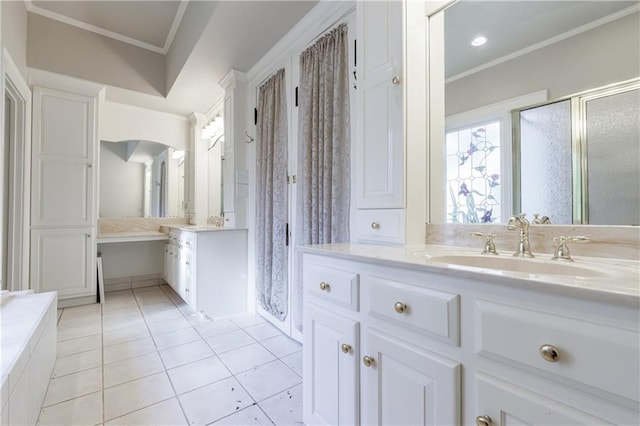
(591, 353)
(432, 312)
(385, 225)
(188, 239)
(332, 284)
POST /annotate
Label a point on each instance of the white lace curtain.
(271, 196)
(324, 190)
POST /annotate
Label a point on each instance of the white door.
(63, 260)
(330, 368)
(500, 403)
(402, 385)
(380, 171)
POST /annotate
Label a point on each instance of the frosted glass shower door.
(546, 184)
(613, 159)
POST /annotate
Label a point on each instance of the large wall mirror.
(142, 179)
(493, 58)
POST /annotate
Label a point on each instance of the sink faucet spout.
(520, 222)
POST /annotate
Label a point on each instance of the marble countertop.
(131, 236)
(202, 228)
(614, 279)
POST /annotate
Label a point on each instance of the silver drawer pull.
(483, 421)
(346, 348)
(367, 361)
(375, 225)
(550, 353)
(324, 286)
(400, 307)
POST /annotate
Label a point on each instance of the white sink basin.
(516, 264)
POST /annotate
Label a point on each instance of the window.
(473, 173)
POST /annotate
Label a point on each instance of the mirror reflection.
(505, 56)
(141, 179)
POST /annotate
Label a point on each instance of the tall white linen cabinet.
(64, 191)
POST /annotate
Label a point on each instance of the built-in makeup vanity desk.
(439, 335)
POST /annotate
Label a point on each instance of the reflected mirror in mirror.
(535, 52)
(141, 179)
(215, 158)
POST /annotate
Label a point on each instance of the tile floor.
(145, 358)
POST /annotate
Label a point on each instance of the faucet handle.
(562, 249)
(544, 220)
(489, 244)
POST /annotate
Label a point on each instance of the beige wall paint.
(14, 32)
(64, 49)
(607, 54)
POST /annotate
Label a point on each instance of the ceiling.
(511, 26)
(238, 34)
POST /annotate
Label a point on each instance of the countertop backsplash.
(621, 242)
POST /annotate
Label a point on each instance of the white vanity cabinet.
(358, 369)
(446, 347)
(380, 138)
(208, 269)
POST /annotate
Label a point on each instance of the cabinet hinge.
(296, 95)
(255, 116)
(287, 235)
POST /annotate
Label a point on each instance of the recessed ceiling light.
(478, 41)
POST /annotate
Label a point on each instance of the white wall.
(121, 182)
(119, 122)
(604, 55)
(130, 259)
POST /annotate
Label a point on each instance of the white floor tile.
(77, 362)
(127, 334)
(162, 315)
(251, 415)
(176, 338)
(166, 413)
(263, 331)
(229, 341)
(160, 306)
(246, 357)
(228, 395)
(133, 368)
(285, 408)
(268, 379)
(132, 396)
(72, 386)
(165, 326)
(294, 362)
(129, 322)
(128, 350)
(81, 344)
(215, 327)
(79, 331)
(197, 374)
(247, 319)
(281, 345)
(184, 354)
(85, 410)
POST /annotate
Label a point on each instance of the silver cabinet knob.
(550, 353)
(346, 348)
(88, 235)
(483, 421)
(400, 307)
(324, 286)
(395, 79)
(367, 361)
(375, 225)
(89, 165)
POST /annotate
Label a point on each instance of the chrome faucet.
(544, 220)
(520, 222)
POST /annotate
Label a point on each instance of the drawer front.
(591, 353)
(423, 310)
(381, 225)
(188, 239)
(332, 284)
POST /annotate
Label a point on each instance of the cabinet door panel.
(330, 385)
(64, 189)
(507, 404)
(405, 386)
(380, 141)
(63, 260)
